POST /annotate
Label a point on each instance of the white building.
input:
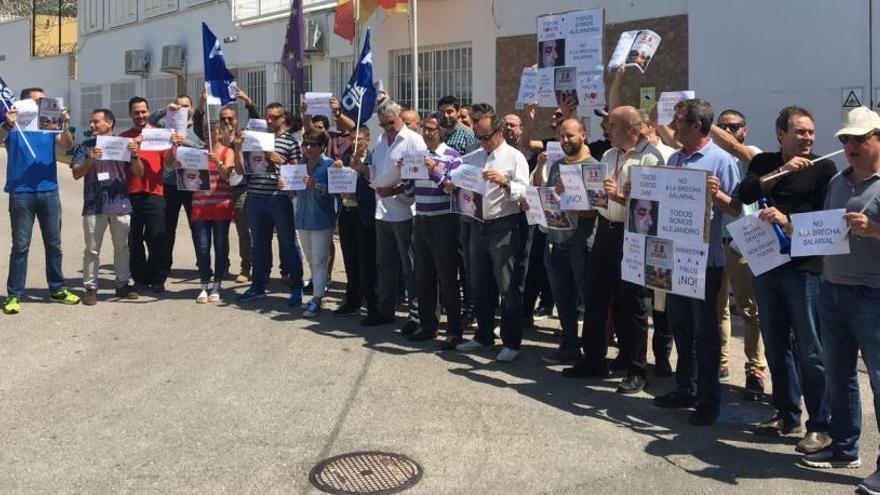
(754, 55)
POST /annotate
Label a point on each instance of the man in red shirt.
(147, 206)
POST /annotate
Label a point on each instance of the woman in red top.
(212, 212)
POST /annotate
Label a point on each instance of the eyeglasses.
(386, 125)
(430, 130)
(486, 137)
(846, 138)
(732, 127)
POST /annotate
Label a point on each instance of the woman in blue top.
(315, 216)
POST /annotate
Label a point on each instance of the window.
(90, 98)
(340, 72)
(253, 81)
(285, 93)
(53, 27)
(91, 16)
(158, 7)
(254, 10)
(160, 92)
(120, 93)
(443, 70)
(195, 84)
(121, 12)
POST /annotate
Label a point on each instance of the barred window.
(53, 26)
(245, 11)
(120, 93)
(340, 71)
(285, 93)
(90, 98)
(160, 92)
(443, 70)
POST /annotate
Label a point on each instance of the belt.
(610, 224)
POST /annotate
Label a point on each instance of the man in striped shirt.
(435, 239)
(269, 209)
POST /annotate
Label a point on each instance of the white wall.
(20, 70)
(759, 56)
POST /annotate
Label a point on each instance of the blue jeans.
(204, 232)
(787, 303)
(497, 250)
(23, 208)
(695, 329)
(566, 265)
(851, 315)
(266, 214)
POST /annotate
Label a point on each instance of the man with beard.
(787, 294)
(455, 135)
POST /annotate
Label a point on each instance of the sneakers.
(776, 426)
(12, 306)
(828, 459)
(312, 308)
(704, 415)
(64, 296)
(127, 292)
(562, 357)
(724, 374)
(471, 346)
(202, 297)
(632, 384)
(813, 442)
(214, 295)
(250, 294)
(754, 386)
(871, 484)
(296, 297)
(507, 355)
(90, 298)
(677, 399)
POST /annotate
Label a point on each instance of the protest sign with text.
(49, 114)
(666, 105)
(258, 141)
(26, 114)
(819, 233)
(189, 179)
(342, 180)
(635, 48)
(756, 241)
(294, 176)
(319, 104)
(469, 177)
(192, 158)
(156, 139)
(177, 120)
(571, 40)
(575, 195)
(114, 148)
(414, 165)
(528, 86)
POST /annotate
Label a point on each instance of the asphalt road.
(162, 395)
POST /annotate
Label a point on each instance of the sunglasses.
(486, 137)
(732, 127)
(557, 115)
(846, 138)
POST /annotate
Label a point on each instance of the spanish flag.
(395, 6)
(343, 24)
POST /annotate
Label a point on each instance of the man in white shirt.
(394, 219)
(497, 244)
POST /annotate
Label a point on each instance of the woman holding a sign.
(212, 213)
(315, 216)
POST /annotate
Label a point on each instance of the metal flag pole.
(415, 52)
(786, 172)
(355, 60)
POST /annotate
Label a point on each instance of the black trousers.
(661, 343)
(435, 252)
(603, 287)
(174, 200)
(147, 234)
(358, 242)
(537, 281)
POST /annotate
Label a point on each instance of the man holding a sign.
(105, 203)
(849, 313)
(795, 182)
(32, 184)
(695, 322)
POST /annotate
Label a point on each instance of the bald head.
(411, 119)
(512, 129)
(624, 127)
(573, 137)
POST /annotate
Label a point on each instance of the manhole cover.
(365, 473)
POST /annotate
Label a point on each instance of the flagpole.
(18, 128)
(415, 52)
(355, 60)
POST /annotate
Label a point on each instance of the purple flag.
(293, 55)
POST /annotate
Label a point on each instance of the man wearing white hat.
(850, 292)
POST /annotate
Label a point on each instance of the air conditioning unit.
(137, 63)
(315, 44)
(173, 60)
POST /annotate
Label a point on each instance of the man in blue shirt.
(32, 184)
(695, 322)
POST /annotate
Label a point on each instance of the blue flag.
(218, 80)
(7, 98)
(293, 54)
(359, 92)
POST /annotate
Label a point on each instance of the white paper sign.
(689, 272)
(632, 266)
(319, 104)
(414, 165)
(469, 177)
(342, 180)
(575, 195)
(571, 40)
(666, 105)
(389, 178)
(594, 181)
(192, 158)
(26, 114)
(156, 139)
(258, 125)
(258, 141)
(535, 213)
(177, 120)
(554, 152)
(528, 86)
(49, 117)
(114, 148)
(294, 177)
(758, 244)
(819, 233)
(635, 48)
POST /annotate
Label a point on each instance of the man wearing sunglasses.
(497, 247)
(730, 134)
(849, 292)
(787, 295)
